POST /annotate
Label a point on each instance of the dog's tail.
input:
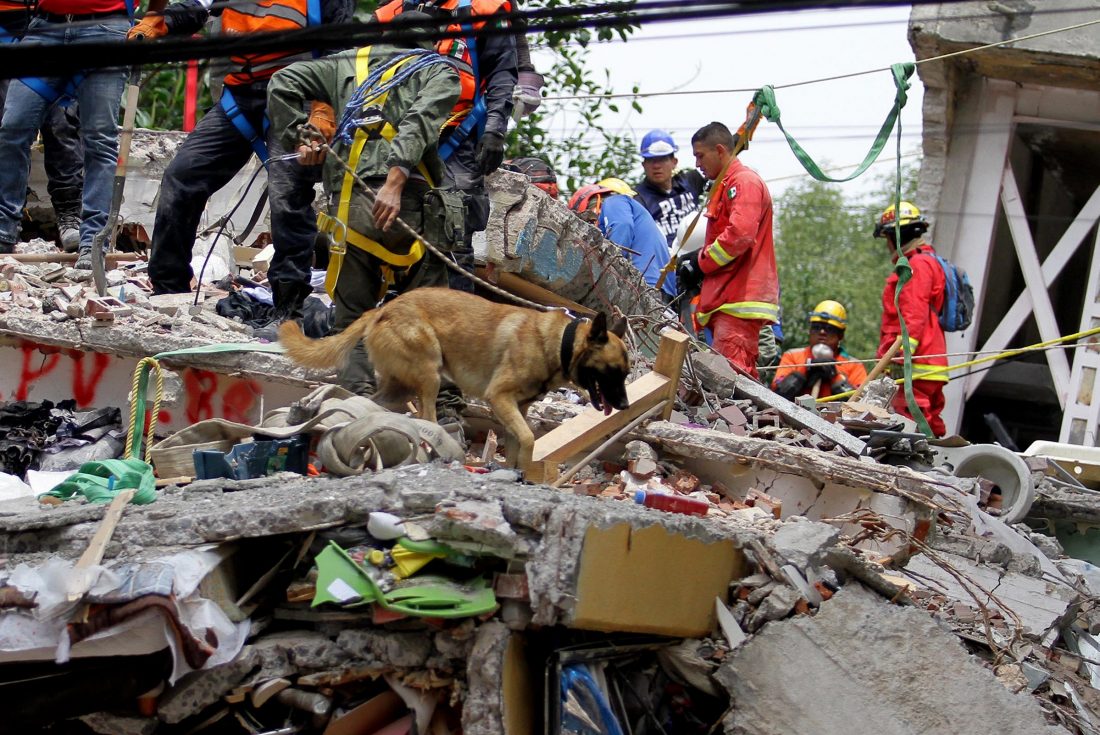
(327, 352)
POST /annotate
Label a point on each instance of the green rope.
(905, 272)
(765, 102)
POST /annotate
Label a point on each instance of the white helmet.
(698, 235)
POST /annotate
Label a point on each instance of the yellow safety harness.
(336, 227)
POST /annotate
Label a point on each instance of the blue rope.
(371, 90)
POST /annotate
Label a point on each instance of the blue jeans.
(99, 97)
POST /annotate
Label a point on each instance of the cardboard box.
(649, 580)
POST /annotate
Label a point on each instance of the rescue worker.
(66, 24)
(610, 205)
(736, 271)
(667, 194)
(801, 370)
(62, 152)
(920, 302)
(472, 143)
(227, 136)
(389, 134)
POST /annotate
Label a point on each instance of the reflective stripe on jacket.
(261, 16)
(738, 263)
(797, 361)
(920, 303)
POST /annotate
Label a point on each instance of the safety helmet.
(906, 215)
(617, 185)
(830, 312)
(657, 143)
(581, 201)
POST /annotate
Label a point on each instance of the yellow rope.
(136, 401)
(980, 360)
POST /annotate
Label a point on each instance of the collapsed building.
(799, 569)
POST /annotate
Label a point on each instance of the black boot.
(289, 297)
(68, 224)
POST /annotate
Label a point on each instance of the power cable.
(65, 59)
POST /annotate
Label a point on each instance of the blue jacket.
(625, 222)
(668, 208)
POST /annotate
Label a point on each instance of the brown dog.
(508, 355)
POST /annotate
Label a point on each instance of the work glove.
(822, 373)
(490, 152)
(150, 27)
(323, 117)
(689, 276)
(791, 385)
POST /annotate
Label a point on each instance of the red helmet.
(581, 201)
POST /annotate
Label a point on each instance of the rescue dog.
(508, 355)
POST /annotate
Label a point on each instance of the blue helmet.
(658, 143)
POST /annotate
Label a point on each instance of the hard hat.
(616, 185)
(830, 312)
(580, 202)
(657, 143)
(906, 214)
(697, 239)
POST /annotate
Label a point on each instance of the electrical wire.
(64, 59)
(221, 230)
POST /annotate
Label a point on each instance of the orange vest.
(9, 6)
(456, 48)
(266, 16)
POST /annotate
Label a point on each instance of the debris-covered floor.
(346, 570)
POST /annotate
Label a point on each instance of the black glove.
(822, 373)
(490, 152)
(791, 385)
(689, 276)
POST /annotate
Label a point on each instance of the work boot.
(289, 298)
(68, 228)
(84, 260)
(7, 248)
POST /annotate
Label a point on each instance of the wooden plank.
(671, 354)
(514, 284)
(1052, 267)
(98, 545)
(1036, 285)
(581, 431)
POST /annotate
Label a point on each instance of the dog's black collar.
(567, 338)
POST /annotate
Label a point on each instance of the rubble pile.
(290, 606)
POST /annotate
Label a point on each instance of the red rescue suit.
(920, 303)
(740, 291)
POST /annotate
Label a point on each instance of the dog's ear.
(597, 333)
(618, 328)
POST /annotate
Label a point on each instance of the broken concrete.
(872, 669)
(803, 544)
(200, 689)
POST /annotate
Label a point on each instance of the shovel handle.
(877, 369)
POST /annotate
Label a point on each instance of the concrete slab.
(864, 667)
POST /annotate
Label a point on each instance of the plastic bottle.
(671, 503)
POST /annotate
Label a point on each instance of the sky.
(835, 121)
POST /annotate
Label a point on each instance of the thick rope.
(138, 388)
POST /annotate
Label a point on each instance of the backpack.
(958, 298)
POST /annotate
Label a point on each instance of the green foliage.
(825, 250)
(590, 150)
(161, 102)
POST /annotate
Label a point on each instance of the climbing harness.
(255, 139)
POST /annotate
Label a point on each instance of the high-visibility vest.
(266, 16)
(462, 49)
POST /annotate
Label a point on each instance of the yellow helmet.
(830, 312)
(617, 185)
(906, 214)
